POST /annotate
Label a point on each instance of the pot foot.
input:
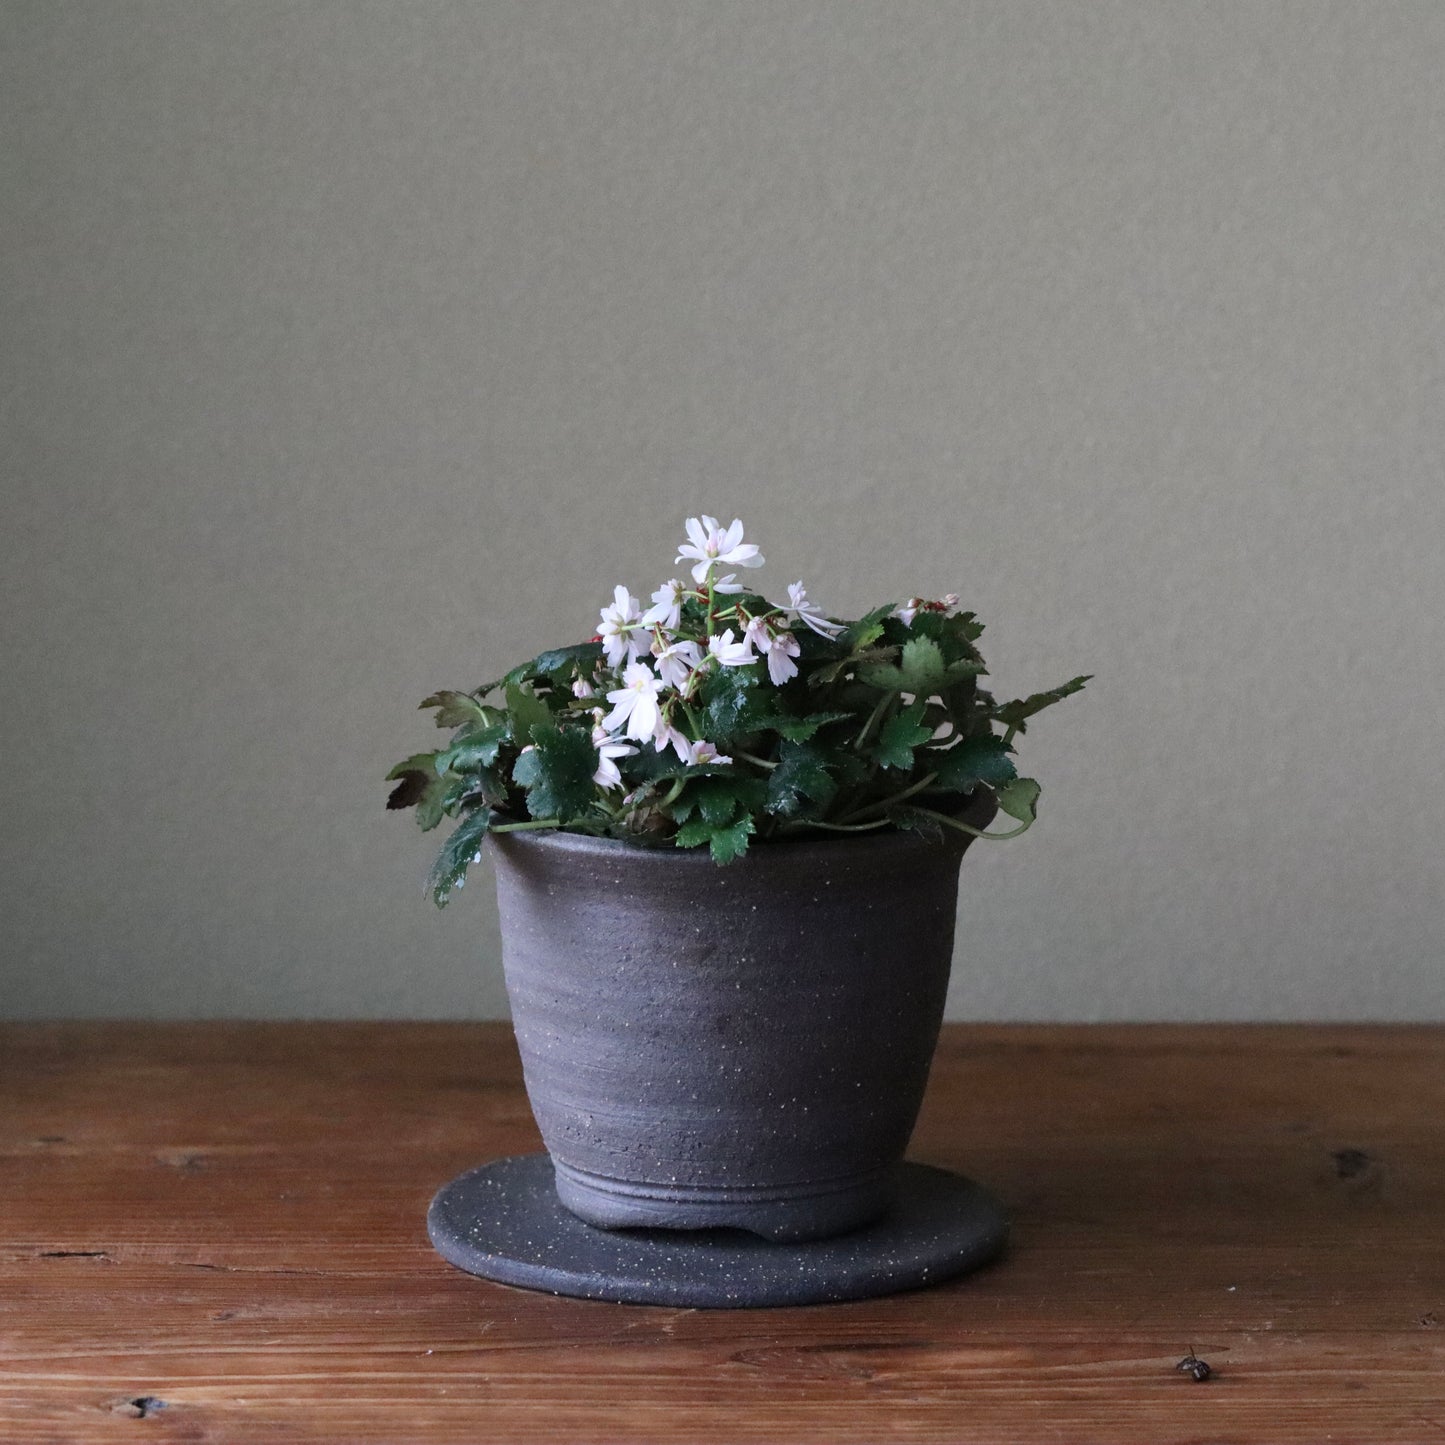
(782, 1215)
(505, 1222)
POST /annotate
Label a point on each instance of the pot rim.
(977, 812)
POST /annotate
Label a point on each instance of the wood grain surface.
(214, 1232)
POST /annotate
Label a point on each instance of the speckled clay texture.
(503, 1222)
(742, 1046)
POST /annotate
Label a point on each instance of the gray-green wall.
(354, 349)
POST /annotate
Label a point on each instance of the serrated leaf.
(418, 787)
(862, 658)
(454, 709)
(424, 763)
(1019, 798)
(580, 655)
(557, 771)
(728, 704)
(964, 626)
(867, 629)
(1012, 714)
(801, 776)
(799, 729)
(526, 711)
(726, 841)
(982, 759)
(473, 750)
(463, 793)
(693, 833)
(717, 795)
(718, 802)
(900, 735)
(456, 856)
(920, 670)
(408, 792)
(731, 841)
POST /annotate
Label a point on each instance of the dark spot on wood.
(138, 1407)
(51, 1139)
(224, 1315)
(1350, 1163)
(1429, 1320)
(76, 1254)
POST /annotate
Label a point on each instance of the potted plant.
(727, 833)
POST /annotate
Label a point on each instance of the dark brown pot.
(742, 1046)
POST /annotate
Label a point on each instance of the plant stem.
(873, 717)
(523, 827)
(760, 762)
(920, 786)
(975, 832)
(833, 827)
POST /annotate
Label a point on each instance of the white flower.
(608, 749)
(704, 752)
(635, 703)
(807, 612)
(709, 544)
(779, 647)
(728, 584)
(676, 661)
(668, 736)
(582, 688)
(908, 612)
(950, 600)
(666, 609)
(621, 639)
(730, 652)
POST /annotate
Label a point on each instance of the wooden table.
(214, 1232)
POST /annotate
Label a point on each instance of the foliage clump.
(718, 718)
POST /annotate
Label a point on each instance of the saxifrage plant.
(717, 717)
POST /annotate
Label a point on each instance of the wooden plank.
(229, 1219)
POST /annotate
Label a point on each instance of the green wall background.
(353, 349)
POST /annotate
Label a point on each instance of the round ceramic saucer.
(504, 1222)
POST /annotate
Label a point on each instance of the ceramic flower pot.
(742, 1046)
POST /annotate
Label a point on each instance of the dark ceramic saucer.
(504, 1222)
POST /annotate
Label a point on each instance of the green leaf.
(473, 750)
(728, 704)
(458, 852)
(982, 759)
(419, 787)
(801, 776)
(718, 797)
(1012, 714)
(727, 841)
(1020, 799)
(693, 833)
(920, 670)
(718, 802)
(867, 630)
(580, 656)
(526, 711)
(799, 729)
(455, 709)
(557, 771)
(466, 791)
(900, 735)
(731, 841)
(965, 627)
